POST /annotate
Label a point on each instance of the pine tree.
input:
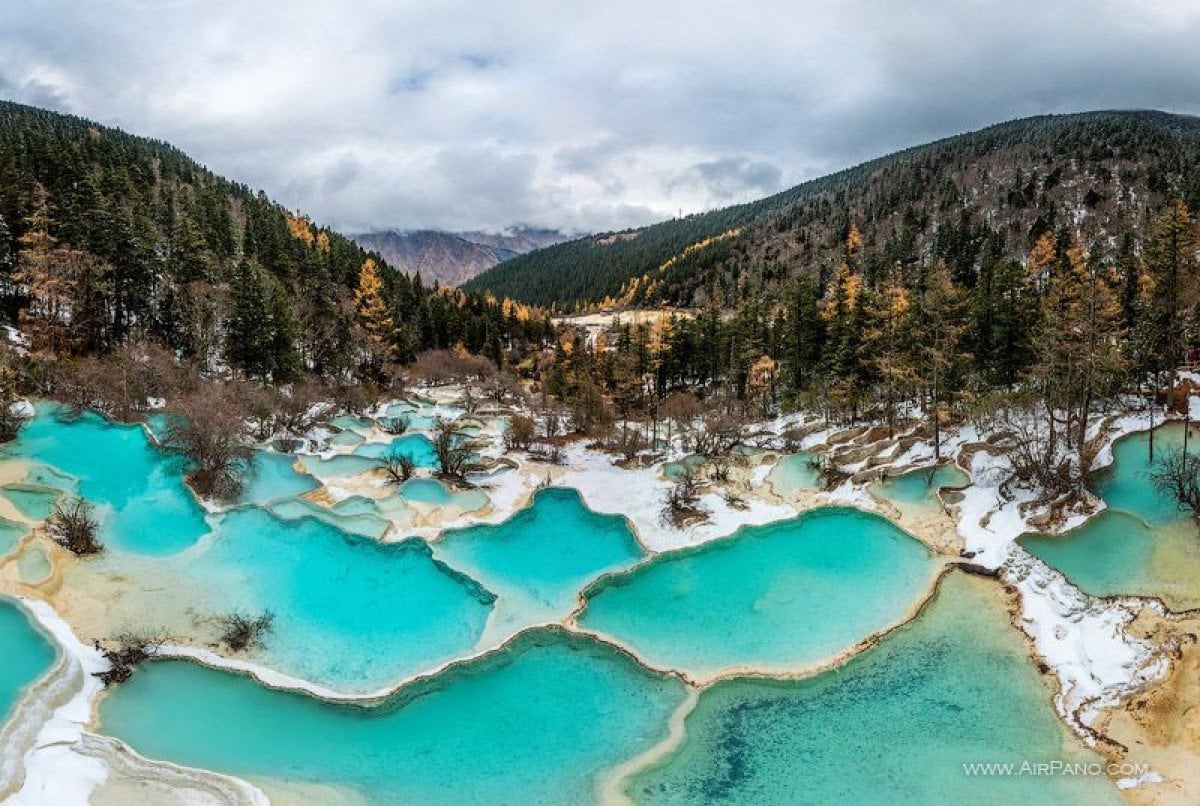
(249, 332)
(42, 276)
(940, 328)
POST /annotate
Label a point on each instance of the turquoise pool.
(892, 726)
(779, 596)
(142, 500)
(25, 655)
(1143, 544)
(921, 486)
(539, 559)
(538, 722)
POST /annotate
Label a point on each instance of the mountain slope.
(106, 237)
(1099, 173)
(453, 258)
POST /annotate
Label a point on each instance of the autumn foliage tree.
(373, 319)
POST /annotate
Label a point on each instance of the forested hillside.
(971, 199)
(107, 237)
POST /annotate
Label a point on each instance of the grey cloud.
(735, 177)
(468, 115)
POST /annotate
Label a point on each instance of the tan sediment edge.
(567, 625)
(1097, 735)
(787, 672)
(123, 761)
(611, 786)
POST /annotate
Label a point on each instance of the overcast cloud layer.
(577, 115)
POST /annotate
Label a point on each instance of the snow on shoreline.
(65, 763)
(54, 773)
(1083, 640)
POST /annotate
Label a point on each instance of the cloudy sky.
(577, 115)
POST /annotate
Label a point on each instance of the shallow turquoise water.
(793, 473)
(32, 501)
(417, 447)
(347, 438)
(33, 565)
(356, 505)
(25, 655)
(338, 466)
(783, 595)
(1142, 545)
(1127, 485)
(921, 486)
(892, 726)
(539, 559)
(359, 523)
(143, 504)
(45, 476)
(350, 612)
(673, 470)
(536, 723)
(273, 476)
(435, 493)
(348, 422)
(10, 534)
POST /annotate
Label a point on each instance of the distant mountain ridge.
(967, 199)
(453, 258)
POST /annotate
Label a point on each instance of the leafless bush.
(127, 651)
(240, 631)
(121, 384)
(720, 466)
(627, 441)
(1037, 461)
(681, 505)
(440, 367)
(546, 450)
(719, 433)
(73, 526)
(520, 432)
(398, 465)
(504, 388)
(207, 428)
(1176, 476)
(453, 449)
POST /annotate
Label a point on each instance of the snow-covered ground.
(1084, 641)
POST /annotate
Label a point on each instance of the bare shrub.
(240, 631)
(503, 387)
(73, 526)
(720, 466)
(440, 367)
(126, 653)
(520, 433)
(453, 449)
(546, 450)
(398, 465)
(122, 384)
(627, 442)
(719, 433)
(681, 505)
(206, 427)
(1176, 476)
